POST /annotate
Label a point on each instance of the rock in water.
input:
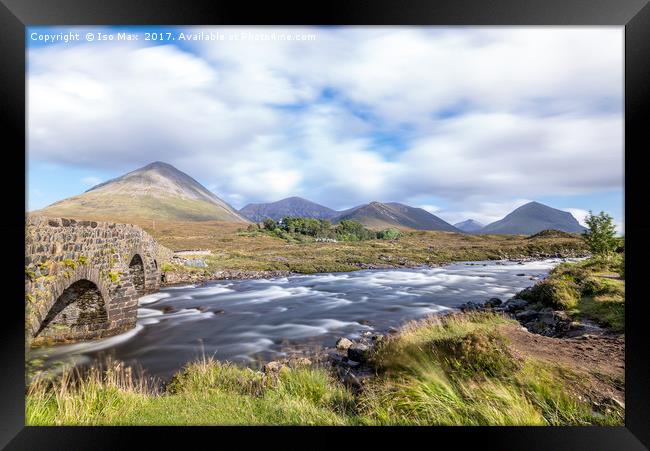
(343, 343)
(358, 352)
(469, 306)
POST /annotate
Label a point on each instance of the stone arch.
(78, 311)
(61, 284)
(137, 274)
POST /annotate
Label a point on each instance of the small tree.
(269, 224)
(601, 234)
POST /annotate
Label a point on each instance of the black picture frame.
(634, 15)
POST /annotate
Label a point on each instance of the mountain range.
(155, 191)
(378, 215)
(469, 226)
(160, 191)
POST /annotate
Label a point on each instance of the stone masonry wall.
(60, 252)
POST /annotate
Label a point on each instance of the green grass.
(204, 393)
(591, 289)
(460, 371)
(452, 371)
(605, 305)
(235, 248)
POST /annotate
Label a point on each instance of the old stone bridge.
(83, 278)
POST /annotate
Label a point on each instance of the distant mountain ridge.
(291, 206)
(155, 191)
(160, 191)
(392, 214)
(532, 218)
(469, 226)
(375, 215)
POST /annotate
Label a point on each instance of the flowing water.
(251, 321)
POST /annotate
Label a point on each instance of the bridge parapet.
(83, 278)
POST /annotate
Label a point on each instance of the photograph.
(324, 225)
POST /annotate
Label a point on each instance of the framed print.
(409, 216)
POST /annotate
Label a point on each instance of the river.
(252, 321)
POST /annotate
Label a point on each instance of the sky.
(465, 122)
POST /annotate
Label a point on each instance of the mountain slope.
(532, 218)
(291, 206)
(379, 215)
(469, 226)
(156, 191)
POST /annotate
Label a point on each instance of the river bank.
(473, 368)
(554, 326)
(180, 274)
(228, 251)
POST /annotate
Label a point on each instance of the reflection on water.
(255, 320)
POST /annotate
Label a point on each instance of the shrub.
(603, 263)
(591, 286)
(269, 224)
(570, 272)
(557, 293)
(353, 231)
(293, 228)
(389, 234)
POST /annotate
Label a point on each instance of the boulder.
(335, 358)
(274, 367)
(343, 343)
(493, 302)
(358, 352)
(546, 318)
(527, 315)
(515, 304)
(351, 363)
(470, 306)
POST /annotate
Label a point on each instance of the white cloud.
(482, 115)
(579, 214)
